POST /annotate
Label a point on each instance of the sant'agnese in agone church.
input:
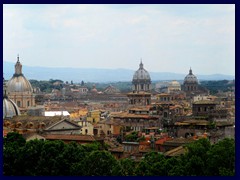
(165, 117)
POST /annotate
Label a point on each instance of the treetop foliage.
(56, 158)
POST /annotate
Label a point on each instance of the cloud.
(117, 36)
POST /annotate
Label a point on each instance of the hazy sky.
(168, 38)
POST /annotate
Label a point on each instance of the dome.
(141, 74)
(18, 83)
(10, 109)
(190, 78)
(174, 84)
(94, 90)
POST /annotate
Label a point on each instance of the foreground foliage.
(55, 158)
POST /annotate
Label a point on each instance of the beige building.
(19, 89)
(87, 127)
(94, 116)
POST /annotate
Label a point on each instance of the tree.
(13, 144)
(16, 138)
(30, 157)
(72, 153)
(49, 159)
(195, 159)
(127, 167)
(97, 163)
(149, 165)
(133, 137)
(221, 158)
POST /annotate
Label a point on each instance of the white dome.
(10, 109)
(174, 84)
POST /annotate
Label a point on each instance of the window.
(28, 103)
(165, 114)
(18, 103)
(141, 86)
(148, 102)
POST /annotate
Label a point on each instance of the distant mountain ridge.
(97, 75)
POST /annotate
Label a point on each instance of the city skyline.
(167, 38)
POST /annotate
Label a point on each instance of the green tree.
(149, 165)
(13, 144)
(15, 138)
(49, 161)
(101, 163)
(221, 158)
(72, 153)
(132, 137)
(127, 167)
(195, 159)
(30, 157)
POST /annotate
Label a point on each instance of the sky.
(167, 38)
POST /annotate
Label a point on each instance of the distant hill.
(96, 75)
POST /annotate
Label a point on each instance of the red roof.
(162, 140)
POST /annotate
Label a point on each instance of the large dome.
(18, 83)
(141, 74)
(190, 78)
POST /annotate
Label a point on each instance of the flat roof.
(56, 113)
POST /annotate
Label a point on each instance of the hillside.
(97, 75)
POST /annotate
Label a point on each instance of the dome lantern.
(18, 67)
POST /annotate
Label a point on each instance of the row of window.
(19, 104)
(142, 87)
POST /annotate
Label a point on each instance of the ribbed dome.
(18, 83)
(141, 74)
(10, 109)
(190, 78)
